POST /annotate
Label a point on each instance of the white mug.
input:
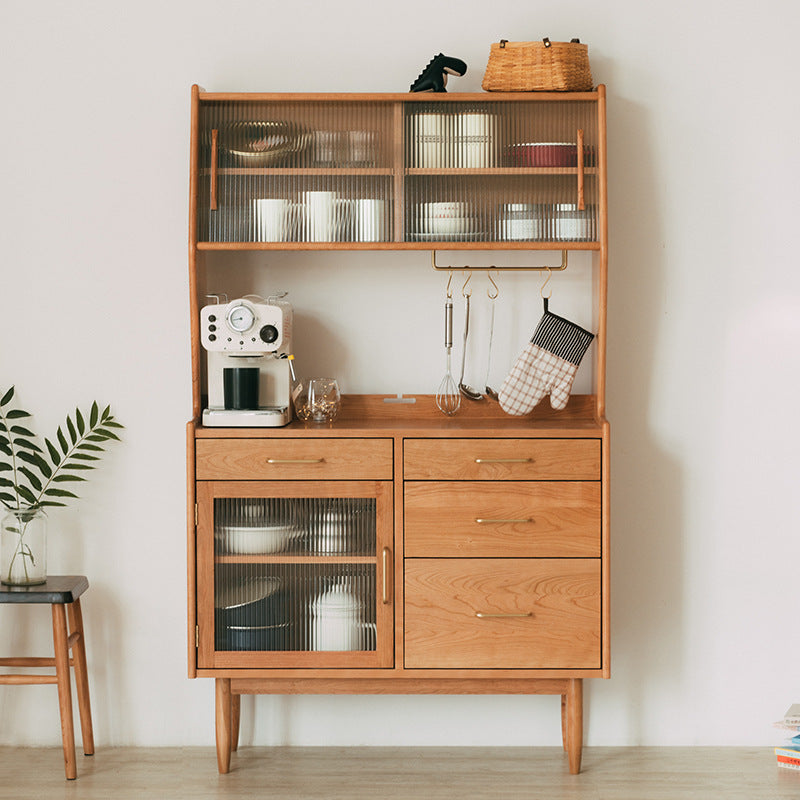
(320, 216)
(271, 217)
(369, 220)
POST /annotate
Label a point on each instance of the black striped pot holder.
(547, 365)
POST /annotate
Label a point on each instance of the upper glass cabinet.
(500, 172)
(296, 172)
(398, 171)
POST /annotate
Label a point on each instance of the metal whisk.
(448, 400)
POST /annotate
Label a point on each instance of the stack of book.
(788, 754)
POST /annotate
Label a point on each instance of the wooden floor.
(314, 773)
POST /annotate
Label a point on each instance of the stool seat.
(62, 593)
(56, 589)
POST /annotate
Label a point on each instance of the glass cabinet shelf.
(288, 559)
(267, 171)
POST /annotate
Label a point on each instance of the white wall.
(704, 300)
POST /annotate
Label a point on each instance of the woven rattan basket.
(538, 67)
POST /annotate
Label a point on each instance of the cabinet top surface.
(397, 97)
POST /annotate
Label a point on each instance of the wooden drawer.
(559, 601)
(501, 459)
(526, 519)
(294, 459)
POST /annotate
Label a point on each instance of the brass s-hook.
(464, 292)
(544, 285)
(493, 295)
(449, 281)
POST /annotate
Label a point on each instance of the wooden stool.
(62, 592)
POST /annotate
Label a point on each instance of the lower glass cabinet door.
(301, 574)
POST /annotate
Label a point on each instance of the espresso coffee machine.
(249, 344)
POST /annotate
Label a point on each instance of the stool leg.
(64, 694)
(223, 714)
(81, 676)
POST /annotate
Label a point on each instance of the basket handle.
(547, 41)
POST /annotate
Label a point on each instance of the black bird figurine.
(434, 77)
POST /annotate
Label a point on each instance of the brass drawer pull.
(295, 460)
(387, 563)
(481, 521)
(482, 615)
(503, 460)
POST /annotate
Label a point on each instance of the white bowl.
(251, 540)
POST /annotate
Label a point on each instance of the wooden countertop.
(373, 416)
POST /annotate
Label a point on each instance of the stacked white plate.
(236, 593)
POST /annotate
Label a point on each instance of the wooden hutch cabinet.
(400, 550)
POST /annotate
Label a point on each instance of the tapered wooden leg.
(81, 676)
(223, 714)
(236, 710)
(564, 722)
(64, 694)
(575, 724)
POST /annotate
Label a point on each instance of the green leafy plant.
(34, 477)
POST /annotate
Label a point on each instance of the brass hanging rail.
(563, 265)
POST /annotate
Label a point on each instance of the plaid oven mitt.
(547, 365)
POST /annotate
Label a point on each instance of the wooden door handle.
(581, 203)
(387, 563)
(214, 160)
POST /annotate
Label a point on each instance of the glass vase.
(23, 547)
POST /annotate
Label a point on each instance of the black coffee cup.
(240, 388)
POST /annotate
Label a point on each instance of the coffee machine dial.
(240, 318)
(269, 334)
